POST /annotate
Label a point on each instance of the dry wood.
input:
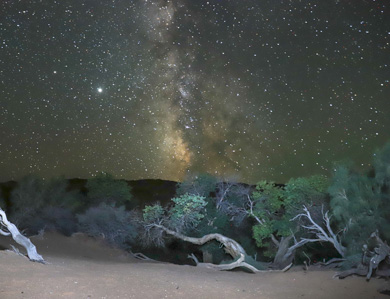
(19, 238)
(233, 248)
(380, 254)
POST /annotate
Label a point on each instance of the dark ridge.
(150, 191)
(145, 192)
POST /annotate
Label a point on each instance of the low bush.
(115, 225)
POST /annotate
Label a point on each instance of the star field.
(157, 89)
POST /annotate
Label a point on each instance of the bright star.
(100, 90)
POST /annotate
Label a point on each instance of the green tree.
(382, 167)
(104, 188)
(359, 207)
(275, 207)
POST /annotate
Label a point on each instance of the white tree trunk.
(19, 238)
(321, 234)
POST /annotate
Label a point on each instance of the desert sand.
(81, 267)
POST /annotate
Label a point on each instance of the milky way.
(259, 89)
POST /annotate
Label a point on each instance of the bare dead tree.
(223, 191)
(321, 234)
(7, 228)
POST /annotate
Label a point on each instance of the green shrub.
(51, 218)
(33, 196)
(114, 224)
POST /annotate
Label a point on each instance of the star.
(259, 89)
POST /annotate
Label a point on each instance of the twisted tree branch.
(19, 238)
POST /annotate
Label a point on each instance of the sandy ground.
(80, 267)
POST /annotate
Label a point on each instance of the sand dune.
(80, 267)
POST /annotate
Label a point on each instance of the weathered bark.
(19, 238)
(321, 234)
(361, 271)
(231, 247)
(370, 267)
(284, 256)
(207, 256)
(382, 252)
(286, 253)
(238, 263)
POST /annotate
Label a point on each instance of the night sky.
(260, 89)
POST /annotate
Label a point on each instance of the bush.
(357, 207)
(115, 225)
(104, 188)
(34, 199)
(187, 212)
(51, 218)
(27, 197)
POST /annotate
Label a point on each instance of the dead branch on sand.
(7, 228)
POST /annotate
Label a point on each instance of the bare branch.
(20, 239)
(4, 233)
(321, 234)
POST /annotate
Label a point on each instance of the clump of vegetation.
(37, 204)
(115, 225)
(348, 214)
(104, 188)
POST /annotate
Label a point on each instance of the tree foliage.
(275, 206)
(382, 167)
(153, 214)
(268, 199)
(34, 202)
(360, 202)
(202, 185)
(114, 224)
(186, 212)
(104, 188)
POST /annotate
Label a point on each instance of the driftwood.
(231, 247)
(236, 264)
(371, 261)
(12, 230)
